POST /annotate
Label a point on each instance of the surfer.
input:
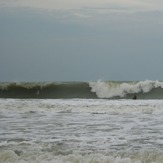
(135, 97)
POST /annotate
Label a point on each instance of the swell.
(98, 89)
(46, 90)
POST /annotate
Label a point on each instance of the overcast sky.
(81, 40)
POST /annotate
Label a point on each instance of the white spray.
(121, 89)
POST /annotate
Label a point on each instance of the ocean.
(81, 122)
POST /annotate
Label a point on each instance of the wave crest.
(121, 89)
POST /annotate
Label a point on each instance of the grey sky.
(87, 40)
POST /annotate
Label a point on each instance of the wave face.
(100, 89)
(46, 90)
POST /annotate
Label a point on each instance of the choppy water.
(81, 131)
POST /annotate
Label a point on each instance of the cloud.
(52, 4)
(86, 9)
(78, 4)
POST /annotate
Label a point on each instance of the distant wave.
(98, 89)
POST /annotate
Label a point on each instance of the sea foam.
(121, 89)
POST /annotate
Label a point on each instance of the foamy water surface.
(81, 131)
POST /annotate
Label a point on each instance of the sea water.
(81, 131)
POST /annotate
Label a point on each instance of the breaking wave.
(147, 89)
(45, 90)
(124, 89)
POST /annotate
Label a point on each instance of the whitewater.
(147, 89)
(81, 130)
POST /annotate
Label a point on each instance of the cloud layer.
(78, 4)
(81, 40)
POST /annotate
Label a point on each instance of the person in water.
(135, 97)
